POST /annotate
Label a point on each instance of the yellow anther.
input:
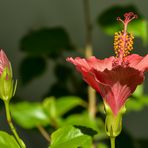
(123, 44)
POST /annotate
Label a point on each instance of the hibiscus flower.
(116, 77)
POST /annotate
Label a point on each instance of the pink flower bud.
(4, 62)
(7, 84)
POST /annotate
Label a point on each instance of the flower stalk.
(112, 141)
(8, 116)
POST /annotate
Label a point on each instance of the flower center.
(123, 41)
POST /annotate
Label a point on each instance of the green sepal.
(8, 85)
(113, 123)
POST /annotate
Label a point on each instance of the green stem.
(112, 141)
(8, 116)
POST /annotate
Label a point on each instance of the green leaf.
(108, 21)
(134, 105)
(86, 130)
(7, 141)
(138, 100)
(29, 115)
(58, 107)
(49, 105)
(137, 103)
(84, 120)
(55, 108)
(140, 29)
(70, 137)
(144, 100)
(139, 91)
(50, 41)
(64, 104)
(102, 145)
(32, 67)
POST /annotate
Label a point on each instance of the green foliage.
(29, 115)
(102, 145)
(7, 141)
(51, 41)
(134, 105)
(62, 105)
(138, 100)
(49, 106)
(139, 91)
(86, 130)
(68, 102)
(70, 137)
(48, 112)
(81, 119)
(107, 21)
(32, 67)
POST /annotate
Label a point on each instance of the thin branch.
(89, 53)
(44, 133)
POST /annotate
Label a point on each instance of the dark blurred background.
(20, 19)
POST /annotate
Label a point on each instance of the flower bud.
(7, 84)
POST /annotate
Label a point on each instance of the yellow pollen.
(123, 43)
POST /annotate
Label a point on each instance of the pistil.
(123, 41)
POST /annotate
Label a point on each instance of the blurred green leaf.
(102, 145)
(46, 41)
(65, 104)
(58, 107)
(83, 120)
(138, 100)
(29, 115)
(70, 137)
(108, 22)
(7, 141)
(134, 105)
(32, 67)
(137, 104)
(139, 91)
(49, 105)
(144, 100)
(140, 29)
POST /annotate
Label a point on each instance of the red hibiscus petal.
(115, 84)
(92, 62)
(3, 61)
(138, 62)
(118, 84)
